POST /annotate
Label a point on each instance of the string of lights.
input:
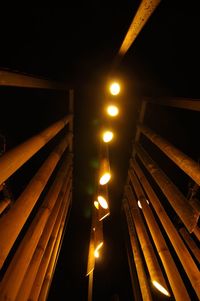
(100, 206)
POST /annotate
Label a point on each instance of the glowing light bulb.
(105, 178)
(107, 136)
(140, 205)
(96, 204)
(112, 110)
(102, 201)
(160, 288)
(96, 252)
(114, 88)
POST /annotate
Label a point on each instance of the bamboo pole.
(184, 162)
(154, 269)
(21, 260)
(53, 261)
(182, 103)
(12, 223)
(143, 13)
(4, 204)
(12, 160)
(180, 204)
(142, 277)
(175, 280)
(180, 248)
(14, 79)
(197, 232)
(190, 243)
(71, 111)
(90, 285)
(133, 275)
(39, 279)
(30, 275)
(91, 258)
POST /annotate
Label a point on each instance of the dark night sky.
(77, 44)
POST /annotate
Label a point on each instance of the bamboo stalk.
(142, 277)
(53, 261)
(4, 204)
(143, 13)
(30, 275)
(55, 236)
(190, 243)
(12, 223)
(13, 79)
(133, 275)
(180, 248)
(154, 269)
(175, 280)
(91, 258)
(187, 214)
(12, 160)
(71, 111)
(184, 162)
(183, 103)
(21, 260)
(90, 286)
(197, 232)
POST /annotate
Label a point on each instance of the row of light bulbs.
(101, 202)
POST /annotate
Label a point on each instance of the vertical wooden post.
(187, 214)
(180, 248)
(175, 280)
(142, 277)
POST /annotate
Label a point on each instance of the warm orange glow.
(160, 288)
(96, 252)
(107, 136)
(114, 88)
(112, 110)
(105, 178)
(139, 203)
(104, 216)
(96, 204)
(102, 201)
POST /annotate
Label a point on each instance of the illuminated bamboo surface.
(179, 246)
(91, 258)
(21, 260)
(42, 244)
(90, 286)
(143, 13)
(21, 209)
(190, 243)
(142, 277)
(175, 280)
(13, 79)
(4, 204)
(147, 248)
(52, 263)
(187, 213)
(177, 102)
(184, 162)
(58, 227)
(12, 160)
